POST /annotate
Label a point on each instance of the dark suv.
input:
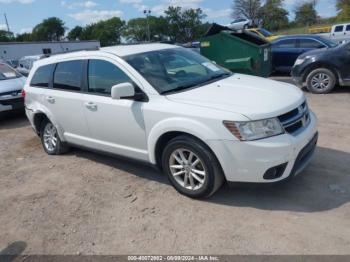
(320, 70)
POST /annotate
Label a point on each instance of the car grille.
(296, 120)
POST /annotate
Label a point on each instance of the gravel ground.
(85, 203)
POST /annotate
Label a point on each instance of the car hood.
(254, 97)
(12, 84)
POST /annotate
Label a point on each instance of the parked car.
(12, 63)
(11, 85)
(320, 70)
(25, 64)
(285, 50)
(173, 108)
(263, 33)
(239, 24)
(339, 33)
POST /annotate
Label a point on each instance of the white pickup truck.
(339, 33)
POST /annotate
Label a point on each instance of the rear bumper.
(250, 162)
(30, 115)
(11, 103)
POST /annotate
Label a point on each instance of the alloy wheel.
(50, 137)
(187, 169)
(320, 81)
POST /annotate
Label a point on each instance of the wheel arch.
(320, 65)
(38, 118)
(41, 115)
(163, 132)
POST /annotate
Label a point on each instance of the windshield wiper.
(183, 87)
(219, 76)
(179, 88)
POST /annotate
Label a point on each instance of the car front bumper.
(298, 81)
(250, 161)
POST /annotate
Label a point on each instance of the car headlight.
(299, 61)
(254, 130)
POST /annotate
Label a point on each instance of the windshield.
(7, 72)
(175, 69)
(265, 32)
(328, 42)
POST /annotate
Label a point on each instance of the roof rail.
(71, 51)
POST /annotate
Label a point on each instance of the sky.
(23, 15)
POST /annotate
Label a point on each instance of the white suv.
(171, 107)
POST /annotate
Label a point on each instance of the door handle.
(50, 99)
(91, 106)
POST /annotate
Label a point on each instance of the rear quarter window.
(42, 76)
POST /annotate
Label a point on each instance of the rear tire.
(321, 81)
(191, 167)
(50, 139)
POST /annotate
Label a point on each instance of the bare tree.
(249, 9)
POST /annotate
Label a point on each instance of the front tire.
(321, 81)
(191, 167)
(50, 140)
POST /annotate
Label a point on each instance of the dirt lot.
(85, 203)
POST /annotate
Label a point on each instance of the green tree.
(109, 32)
(343, 7)
(249, 9)
(51, 29)
(306, 14)
(25, 37)
(274, 16)
(76, 33)
(184, 25)
(159, 28)
(6, 36)
(136, 30)
(173, 16)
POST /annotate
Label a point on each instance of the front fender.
(178, 124)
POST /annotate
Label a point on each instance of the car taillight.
(23, 93)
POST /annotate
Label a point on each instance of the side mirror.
(123, 91)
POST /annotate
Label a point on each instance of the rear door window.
(310, 44)
(42, 76)
(68, 75)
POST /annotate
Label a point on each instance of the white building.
(17, 50)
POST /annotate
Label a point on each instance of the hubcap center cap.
(188, 169)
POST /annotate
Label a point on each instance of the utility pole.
(7, 23)
(148, 13)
